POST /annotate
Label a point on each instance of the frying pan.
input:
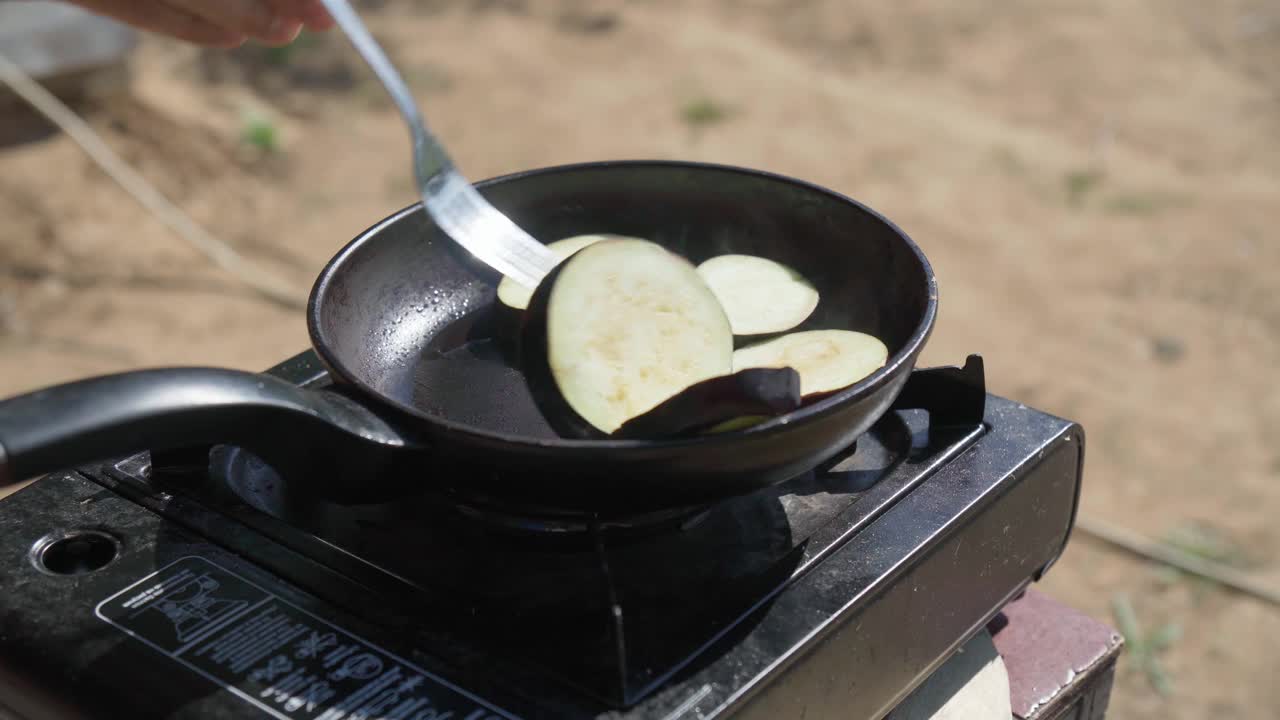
(425, 390)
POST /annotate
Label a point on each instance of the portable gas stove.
(202, 584)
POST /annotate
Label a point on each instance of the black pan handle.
(100, 418)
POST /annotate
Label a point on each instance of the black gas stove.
(202, 584)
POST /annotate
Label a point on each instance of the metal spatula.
(451, 200)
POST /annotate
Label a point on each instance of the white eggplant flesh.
(618, 328)
(759, 295)
(514, 295)
(827, 360)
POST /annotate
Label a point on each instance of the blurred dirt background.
(1097, 184)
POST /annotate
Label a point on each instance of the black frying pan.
(403, 320)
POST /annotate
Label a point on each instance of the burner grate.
(612, 607)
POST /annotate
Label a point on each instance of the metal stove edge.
(803, 682)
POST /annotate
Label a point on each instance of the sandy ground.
(1097, 184)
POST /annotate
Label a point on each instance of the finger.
(254, 18)
(307, 13)
(317, 17)
(312, 13)
(159, 17)
(290, 31)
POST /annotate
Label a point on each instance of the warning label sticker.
(277, 656)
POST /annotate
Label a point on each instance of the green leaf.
(1160, 680)
(1164, 637)
(1126, 619)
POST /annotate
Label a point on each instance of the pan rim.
(907, 355)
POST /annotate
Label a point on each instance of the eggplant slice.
(615, 330)
(760, 296)
(514, 295)
(827, 360)
(513, 298)
(728, 402)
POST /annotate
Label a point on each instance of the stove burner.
(860, 571)
(678, 519)
(238, 475)
(618, 591)
(234, 472)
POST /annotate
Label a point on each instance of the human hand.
(217, 23)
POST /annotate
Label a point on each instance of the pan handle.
(100, 418)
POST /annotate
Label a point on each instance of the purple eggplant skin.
(535, 363)
(508, 323)
(765, 392)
